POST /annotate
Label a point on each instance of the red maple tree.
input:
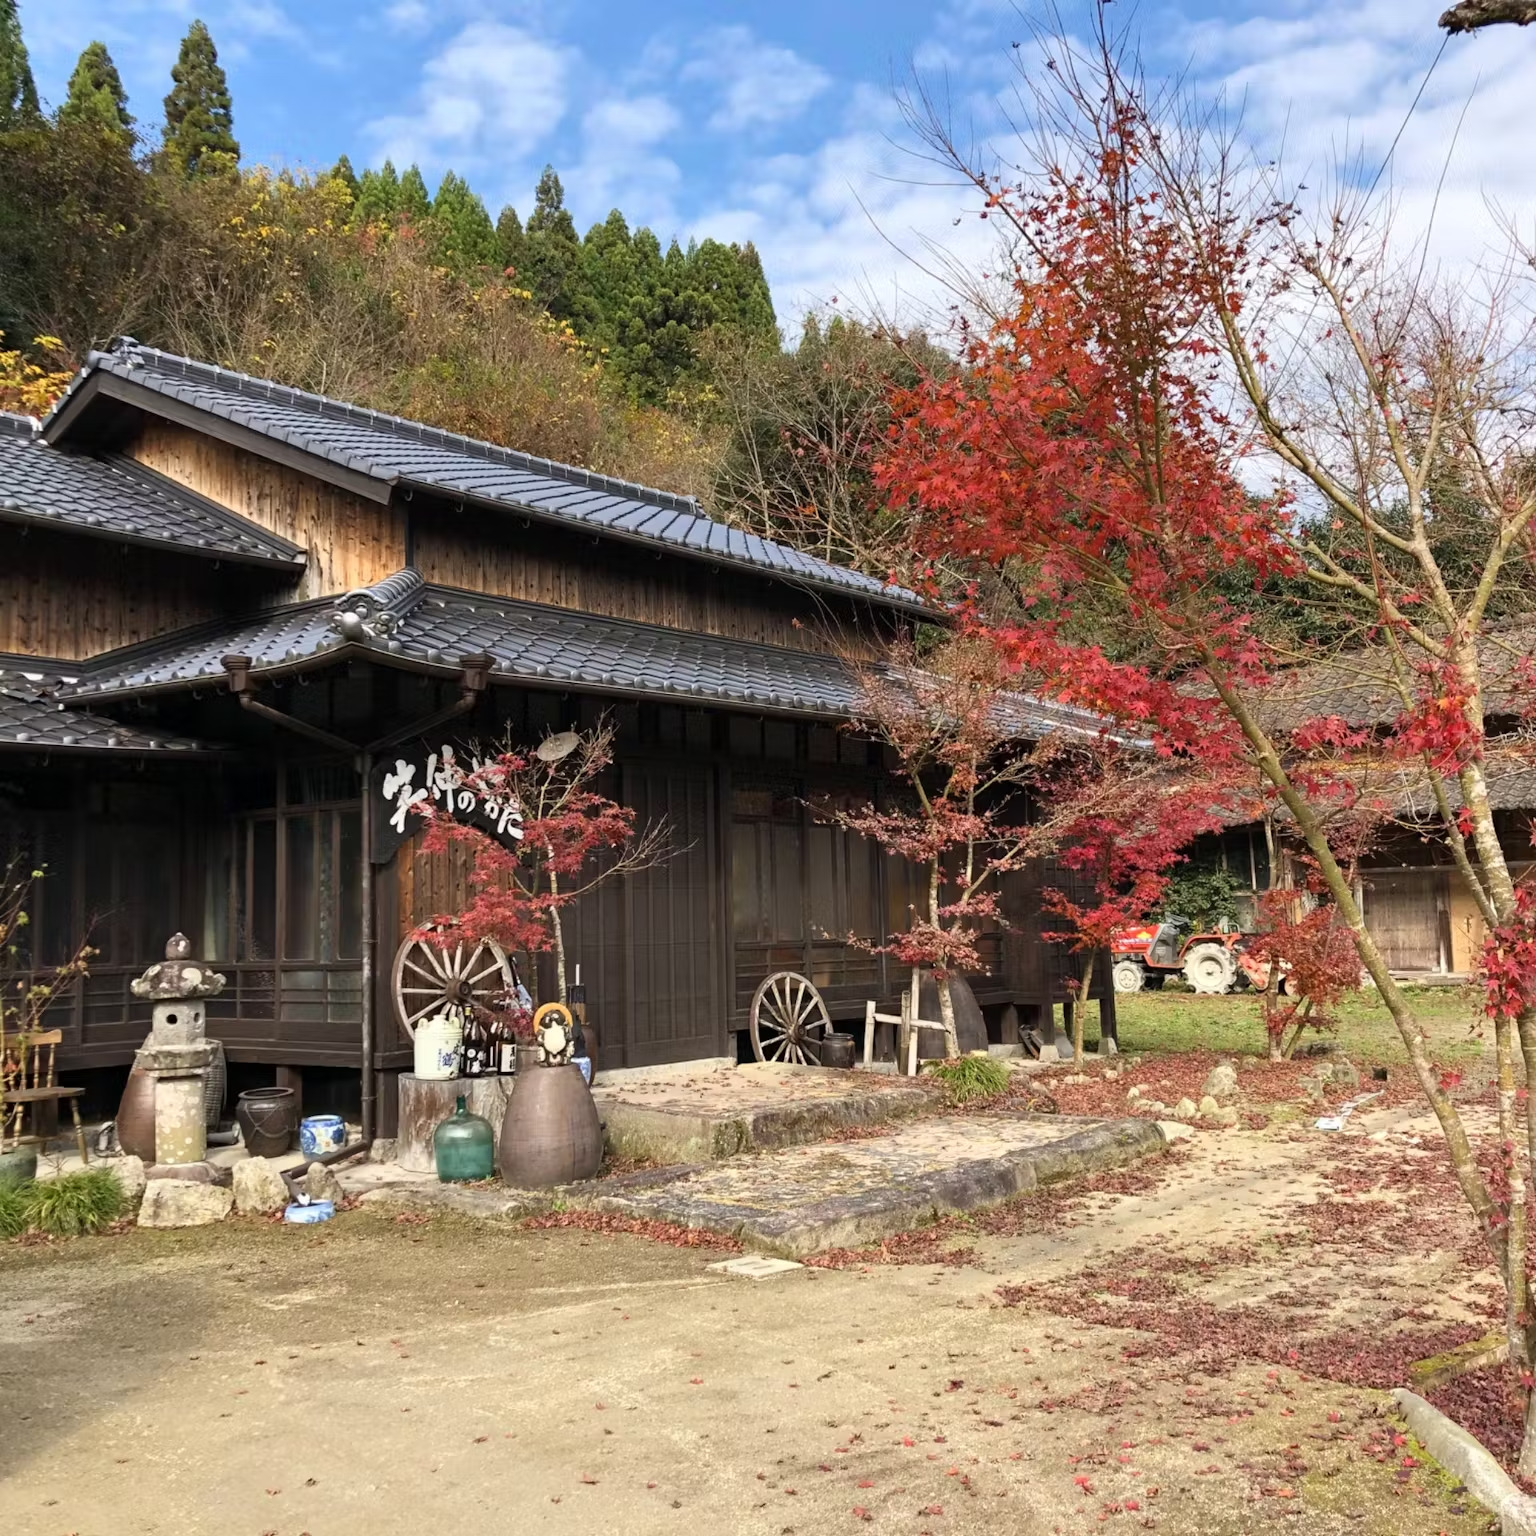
(570, 839)
(1219, 417)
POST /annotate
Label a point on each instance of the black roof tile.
(39, 725)
(407, 619)
(112, 498)
(400, 452)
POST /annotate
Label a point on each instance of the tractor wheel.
(1129, 976)
(1209, 969)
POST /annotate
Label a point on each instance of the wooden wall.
(488, 552)
(649, 946)
(351, 541)
(71, 598)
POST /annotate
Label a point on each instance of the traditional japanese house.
(239, 627)
(1413, 898)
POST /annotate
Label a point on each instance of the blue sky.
(776, 122)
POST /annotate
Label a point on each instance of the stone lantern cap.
(177, 976)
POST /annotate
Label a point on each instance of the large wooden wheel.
(429, 977)
(788, 1020)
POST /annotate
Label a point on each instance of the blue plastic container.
(307, 1215)
(319, 1134)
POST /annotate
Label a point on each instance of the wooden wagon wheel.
(428, 978)
(788, 1019)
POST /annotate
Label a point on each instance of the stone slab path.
(802, 1199)
(700, 1115)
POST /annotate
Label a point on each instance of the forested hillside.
(659, 363)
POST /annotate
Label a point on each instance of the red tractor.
(1146, 956)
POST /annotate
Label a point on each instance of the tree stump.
(425, 1102)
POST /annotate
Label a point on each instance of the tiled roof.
(1510, 770)
(38, 725)
(1359, 686)
(433, 627)
(409, 454)
(111, 498)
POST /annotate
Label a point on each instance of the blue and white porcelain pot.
(322, 1133)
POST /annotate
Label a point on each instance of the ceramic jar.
(437, 1045)
(319, 1134)
(551, 1134)
(268, 1118)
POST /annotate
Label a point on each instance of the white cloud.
(621, 163)
(492, 93)
(852, 221)
(408, 15)
(757, 84)
(1314, 80)
(1330, 83)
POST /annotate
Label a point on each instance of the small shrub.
(75, 1203)
(971, 1077)
(14, 1202)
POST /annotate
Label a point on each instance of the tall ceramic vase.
(550, 1134)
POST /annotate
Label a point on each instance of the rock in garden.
(182, 1203)
(382, 1150)
(129, 1172)
(193, 1173)
(1222, 1082)
(321, 1184)
(1227, 1116)
(1185, 1110)
(1209, 1108)
(259, 1187)
(1344, 1074)
(1134, 1091)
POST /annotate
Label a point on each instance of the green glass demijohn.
(464, 1147)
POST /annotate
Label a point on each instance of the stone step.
(703, 1116)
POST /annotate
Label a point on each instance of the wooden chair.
(907, 1026)
(30, 1068)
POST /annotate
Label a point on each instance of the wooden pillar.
(1008, 1025)
(293, 1077)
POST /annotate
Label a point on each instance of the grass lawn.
(1181, 1021)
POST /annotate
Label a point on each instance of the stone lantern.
(177, 1053)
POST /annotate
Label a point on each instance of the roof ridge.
(402, 426)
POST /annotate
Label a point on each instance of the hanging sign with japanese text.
(416, 775)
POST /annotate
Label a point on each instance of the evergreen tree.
(553, 250)
(199, 117)
(343, 173)
(378, 196)
(96, 94)
(461, 228)
(18, 90)
(731, 288)
(414, 204)
(630, 309)
(511, 243)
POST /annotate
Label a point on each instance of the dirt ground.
(1168, 1350)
